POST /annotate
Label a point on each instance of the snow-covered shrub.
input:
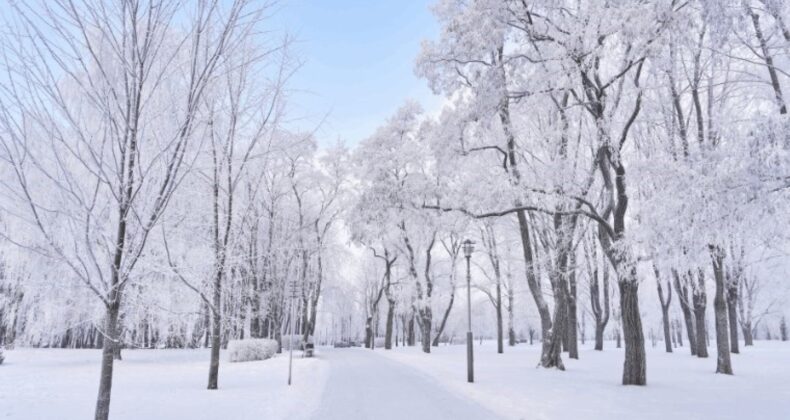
(251, 349)
(378, 342)
(297, 342)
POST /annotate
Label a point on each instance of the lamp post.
(294, 294)
(470, 372)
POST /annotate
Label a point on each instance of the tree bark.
(500, 346)
(664, 309)
(571, 322)
(390, 322)
(700, 302)
(732, 312)
(634, 368)
(446, 315)
(105, 378)
(723, 362)
(686, 307)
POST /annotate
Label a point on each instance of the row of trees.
(152, 193)
(548, 104)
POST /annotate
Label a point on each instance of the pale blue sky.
(358, 62)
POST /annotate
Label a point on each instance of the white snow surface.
(400, 384)
(43, 384)
(680, 386)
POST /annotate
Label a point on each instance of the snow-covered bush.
(297, 342)
(378, 342)
(252, 349)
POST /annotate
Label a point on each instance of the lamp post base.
(470, 371)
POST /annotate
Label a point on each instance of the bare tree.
(87, 69)
(664, 308)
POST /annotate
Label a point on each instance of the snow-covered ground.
(41, 384)
(680, 387)
(400, 384)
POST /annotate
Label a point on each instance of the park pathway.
(364, 385)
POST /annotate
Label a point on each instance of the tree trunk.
(107, 361)
(732, 311)
(723, 362)
(664, 309)
(748, 337)
(500, 341)
(667, 334)
(511, 332)
(571, 323)
(685, 306)
(700, 301)
(369, 332)
(216, 336)
(389, 328)
(426, 318)
(547, 358)
(444, 319)
(634, 368)
(411, 339)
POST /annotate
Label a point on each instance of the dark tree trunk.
(500, 344)
(426, 318)
(700, 302)
(108, 359)
(446, 315)
(571, 322)
(601, 315)
(732, 311)
(723, 362)
(511, 332)
(369, 332)
(411, 338)
(634, 368)
(664, 309)
(686, 307)
(390, 323)
(216, 337)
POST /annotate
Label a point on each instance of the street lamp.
(294, 295)
(470, 372)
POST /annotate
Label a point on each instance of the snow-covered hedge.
(297, 342)
(251, 349)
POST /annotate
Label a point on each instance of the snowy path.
(365, 385)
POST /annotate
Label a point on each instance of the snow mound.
(251, 349)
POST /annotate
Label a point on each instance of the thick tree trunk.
(369, 332)
(389, 325)
(410, 336)
(634, 368)
(665, 302)
(667, 334)
(425, 329)
(108, 359)
(571, 323)
(700, 302)
(216, 336)
(748, 337)
(601, 315)
(723, 362)
(685, 307)
(732, 311)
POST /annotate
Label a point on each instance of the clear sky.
(358, 62)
